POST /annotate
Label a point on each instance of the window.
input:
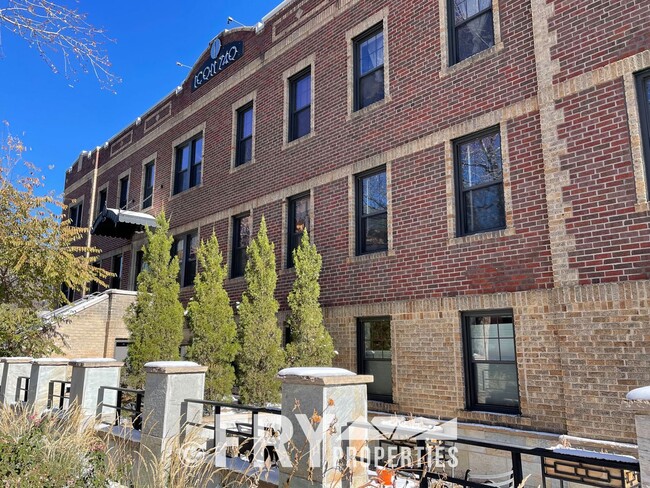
(68, 292)
(479, 183)
(124, 193)
(369, 67)
(94, 286)
(187, 173)
(116, 267)
(149, 176)
(241, 235)
(643, 90)
(244, 150)
(298, 222)
(374, 356)
(139, 262)
(76, 215)
(471, 29)
(185, 248)
(490, 361)
(101, 204)
(372, 212)
(300, 105)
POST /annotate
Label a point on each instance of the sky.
(58, 121)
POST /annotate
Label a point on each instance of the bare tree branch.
(57, 30)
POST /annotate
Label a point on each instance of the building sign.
(226, 55)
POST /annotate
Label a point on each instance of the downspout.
(91, 212)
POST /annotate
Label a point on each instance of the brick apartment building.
(473, 173)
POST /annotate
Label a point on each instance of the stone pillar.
(168, 384)
(326, 400)
(639, 401)
(12, 370)
(43, 371)
(88, 376)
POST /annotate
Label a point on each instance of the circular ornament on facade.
(215, 48)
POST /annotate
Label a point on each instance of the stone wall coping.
(96, 363)
(52, 361)
(322, 376)
(121, 292)
(17, 359)
(174, 367)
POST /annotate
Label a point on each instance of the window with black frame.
(187, 169)
(244, 151)
(185, 247)
(479, 183)
(75, 214)
(471, 28)
(369, 67)
(372, 212)
(241, 236)
(116, 268)
(149, 177)
(103, 197)
(298, 222)
(490, 361)
(124, 193)
(139, 263)
(643, 92)
(300, 105)
(374, 356)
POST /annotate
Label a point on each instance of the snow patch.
(171, 364)
(642, 394)
(560, 449)
(315, 372)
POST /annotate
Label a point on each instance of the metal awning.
(112, 222)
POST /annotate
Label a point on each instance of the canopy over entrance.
(112, 222)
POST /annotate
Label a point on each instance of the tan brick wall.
(92, 332)
(579, 351)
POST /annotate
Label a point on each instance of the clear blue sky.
(57, 122)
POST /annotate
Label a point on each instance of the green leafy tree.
(39, 251)
(155, 320)
(261, 355)
(311, 344)
(211, 320)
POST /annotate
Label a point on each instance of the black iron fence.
(128, 405)
(58, 394)
(243, 430)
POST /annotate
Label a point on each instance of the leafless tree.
(58, 31)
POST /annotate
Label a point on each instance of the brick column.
(639, 401)
(43, 371)
(338, 397)
(12, 369)
(167, 386)
(88, 376)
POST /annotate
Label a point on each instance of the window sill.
(478, 57)
(493, 417)
(234, 169)
(370, 257)
(287, 271)
(297, 142)
(642, 207)
(482, 236)
(185, 192)
(370, 108)
(236, 280)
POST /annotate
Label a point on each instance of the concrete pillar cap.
(322, 376)
(17, 359)
(52, 361)
(96, 363)
(174, 367)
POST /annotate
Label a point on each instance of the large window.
(479, 183)
(490, 361)
(75, 214)
(298, 222)
(116, 268)
(369, 67)
(149, 177)
(185, 247)
(187, 172)
(374, 356)
(372, 212)
(300, 105)
(242, 227)
(643, 89)
(471, 29)
(124, 193)
(244, 151)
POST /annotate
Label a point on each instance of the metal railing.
(58, 394)
(22, 389)
(127, 400)
(244, 431)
